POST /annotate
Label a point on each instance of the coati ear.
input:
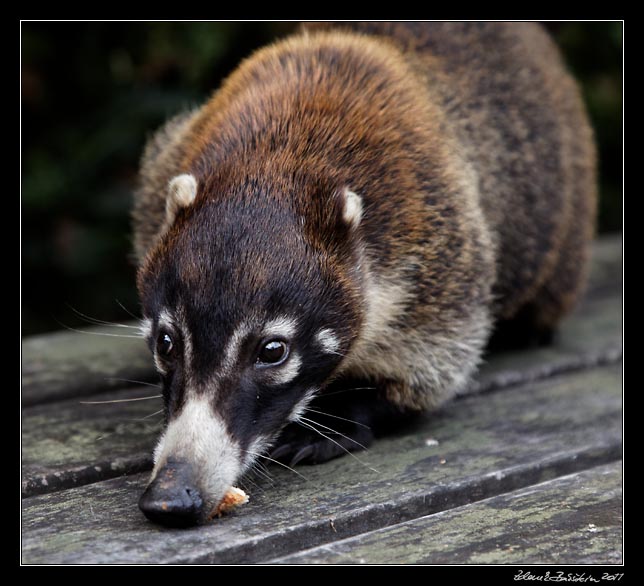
(182, 191)
(351, 207)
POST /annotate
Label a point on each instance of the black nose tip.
(171, 499)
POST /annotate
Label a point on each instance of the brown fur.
(470, 148)
(519, 117)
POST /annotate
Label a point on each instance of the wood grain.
(487, 445)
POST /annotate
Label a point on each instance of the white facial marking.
(257, 447)
(145, 328)
(199, 437)
(159, 365)
(232, 347)
(352, 212)
(301, 406)
(157, 452)
(280, 375)
(327, 341)
(181, 324)
(165, 319)
(282, 327)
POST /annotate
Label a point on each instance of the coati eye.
(272, 353)
(165, 346)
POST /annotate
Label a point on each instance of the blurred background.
(93, 92)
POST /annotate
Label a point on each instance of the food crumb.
(235, 497)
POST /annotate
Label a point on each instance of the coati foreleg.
(345, 417)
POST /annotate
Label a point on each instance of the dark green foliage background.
(93, 92)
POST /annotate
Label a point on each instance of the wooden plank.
(488, 444)
(68, 364)
(71, 443)
(591, 336)
(60, 441)
(576, 519)
(71, 364)
(607, 270)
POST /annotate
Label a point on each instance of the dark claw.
(302, 454)
(280, 451)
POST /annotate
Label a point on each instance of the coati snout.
(246, 327)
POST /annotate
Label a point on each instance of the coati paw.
(301, 445)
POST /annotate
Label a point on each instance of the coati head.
(250, 298)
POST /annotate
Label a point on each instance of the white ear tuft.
(352, 210)
(182, 191)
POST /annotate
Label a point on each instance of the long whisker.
(243, 482)
(348, 391)
(100, 322)
(277, 462)
(129, 380)
(334, 431)
(256, 468)
(336, 417)
(126, 310)
(339, 445)
(119, 400)
(148, 416)
(129, 421)
(139, 337)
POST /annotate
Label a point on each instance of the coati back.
(355, 203)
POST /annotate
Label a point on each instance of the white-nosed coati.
(340, 227)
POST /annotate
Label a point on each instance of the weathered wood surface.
(488, 445)
(73, 364)
(71, 443)
(575, 519)
(531, 417)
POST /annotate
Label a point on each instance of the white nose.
(196, 462)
